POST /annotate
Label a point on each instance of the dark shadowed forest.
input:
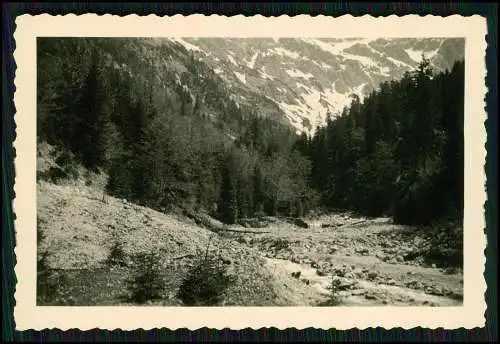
(170, 135)
(156, 186)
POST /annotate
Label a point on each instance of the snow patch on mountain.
(188, 45)
(264, 74)
(251, 63)
(322, 65)
(232, 60)
(298, 74)
(416, 55)
(338, 48)
(241, 77)
(285, 52)
(309, 77)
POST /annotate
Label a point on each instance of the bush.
(67, 168)
(40, 236)
(206, 281)
(116, 254)
(280, 244)
(333, 298)
(49, 284)
(146, 282)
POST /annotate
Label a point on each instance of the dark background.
(9, 13)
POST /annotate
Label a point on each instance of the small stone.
(433, 266)
(391, 282)
(372, 275)
(400, 259)
(358, 292)
(384, 302)
(370, 297)
(321, 272)
(350, 275)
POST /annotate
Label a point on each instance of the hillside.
(375, 262)
(309, 77)
(149, 155)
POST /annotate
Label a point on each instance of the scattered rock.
(296, 274)
(321, 272)
(414, 284)
(391, 282)
(350, 275)
(372, 275)
(400, 259)
(362, 250)
(344, 283)
(358, 292)
(370, 296)
(359, 273)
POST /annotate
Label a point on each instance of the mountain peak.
(310, 77)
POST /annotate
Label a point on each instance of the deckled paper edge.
(28, 316)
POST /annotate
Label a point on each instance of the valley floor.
(279, 265)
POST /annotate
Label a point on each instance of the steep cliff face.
(296, 81)
(308, 77)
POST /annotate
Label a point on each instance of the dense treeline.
(164, 128)
(399, 153)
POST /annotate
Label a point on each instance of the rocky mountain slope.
(284, 266)
(308, 77)
(373, 261)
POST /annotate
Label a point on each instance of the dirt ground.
(283, 265)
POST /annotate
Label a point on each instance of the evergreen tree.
(228, 206)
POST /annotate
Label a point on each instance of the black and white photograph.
(250, 171)
(235, 172)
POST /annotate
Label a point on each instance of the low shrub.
(333, 297)
(49, 283)
(280, 244)
(116, 254)
(206, 282)
(145, 283)
(67, 168)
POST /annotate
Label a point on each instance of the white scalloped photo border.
(29, 316)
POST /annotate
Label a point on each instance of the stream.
(312, 288)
